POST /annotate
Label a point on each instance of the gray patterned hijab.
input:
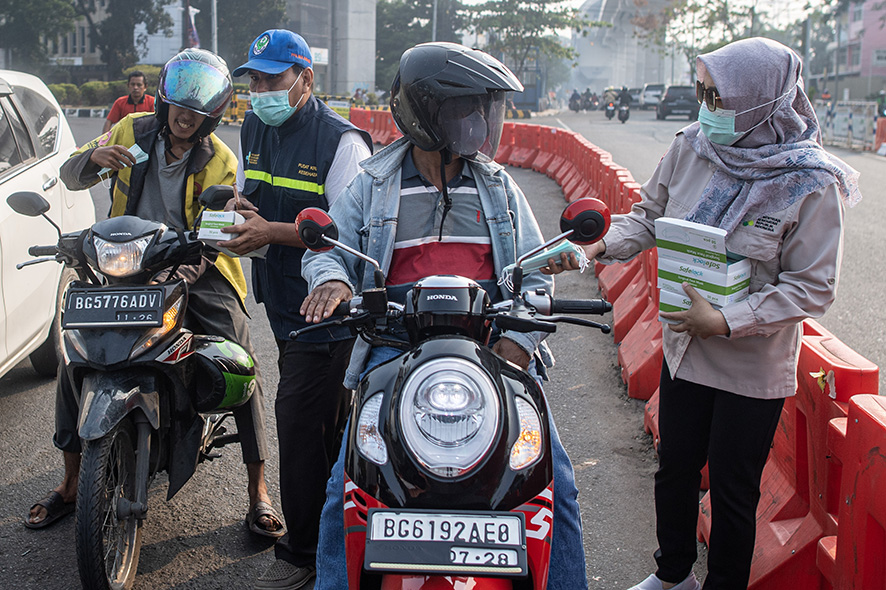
(781, 159)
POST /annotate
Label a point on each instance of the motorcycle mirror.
(313, 225)
(216, 196)
(28, 203)
(588, 220)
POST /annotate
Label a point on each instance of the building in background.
(856, 65)
(341, 34)
(616, 56)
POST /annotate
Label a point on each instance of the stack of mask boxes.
(696, 254)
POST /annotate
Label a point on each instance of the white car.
(35, 140)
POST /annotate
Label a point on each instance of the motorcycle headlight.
(120, 259)
(449, 415)
(171, 318)
(527, 448)
(369, 440)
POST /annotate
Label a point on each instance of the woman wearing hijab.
(752, 165)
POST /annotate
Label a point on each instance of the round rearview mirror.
(313, 225)
(587, 218)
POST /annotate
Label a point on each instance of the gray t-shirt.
(163, 196)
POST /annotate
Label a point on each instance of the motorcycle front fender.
(106, 398)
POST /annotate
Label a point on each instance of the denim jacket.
(366, 214)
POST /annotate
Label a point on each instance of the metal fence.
(850, 124)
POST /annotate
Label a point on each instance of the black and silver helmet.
(447, 96)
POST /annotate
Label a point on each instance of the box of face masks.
(696, 254)
(211, 223)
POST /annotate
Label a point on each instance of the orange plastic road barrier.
(854, 558)
(360, 118)
(640, 354)
(802, 477)
(526, 145)
(880, 135)
(632, 302)
(548, 142)
(561, 152)
(506, 145)
(613, 279)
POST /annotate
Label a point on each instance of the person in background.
(134, 102)
(752, 165)
(182, 156)
(295, 152)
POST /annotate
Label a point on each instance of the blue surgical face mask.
(273, 107)
(719, 125)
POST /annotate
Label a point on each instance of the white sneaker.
(653, 583)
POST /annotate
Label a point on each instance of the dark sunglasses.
(709, 96)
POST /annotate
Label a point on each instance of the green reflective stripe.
(302, 185)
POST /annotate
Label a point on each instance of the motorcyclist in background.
(624, 97)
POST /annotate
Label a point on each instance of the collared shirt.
(795, 261)
(465, 248)
(125, 106)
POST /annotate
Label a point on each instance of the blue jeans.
(567, 566)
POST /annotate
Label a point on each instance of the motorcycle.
(448, 470)
(610, 110)
(624, 111)
(153, 395)
(575, 104)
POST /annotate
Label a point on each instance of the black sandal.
(55, 507)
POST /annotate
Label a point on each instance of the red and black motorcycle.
(448, 471)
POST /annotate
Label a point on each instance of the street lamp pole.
(214, 26)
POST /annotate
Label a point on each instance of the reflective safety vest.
(285, 169)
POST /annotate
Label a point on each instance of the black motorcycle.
(448, 471)
(624, 111)
(153, 395)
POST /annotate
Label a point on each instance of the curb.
(93, 113)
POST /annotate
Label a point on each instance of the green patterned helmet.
(224, 375)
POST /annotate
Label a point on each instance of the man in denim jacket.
(449, 101)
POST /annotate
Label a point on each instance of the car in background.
(677, 100)
(35, 140)
(635, 95)
(649, 95)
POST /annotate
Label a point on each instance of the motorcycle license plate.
(456, 542)
(125, 307)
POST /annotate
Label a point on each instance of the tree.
(693, 27)
(24, 26)
(526, 29)
(114, 35)
(401, 24)
(238, 25)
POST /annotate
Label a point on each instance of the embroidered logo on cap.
(261, 44)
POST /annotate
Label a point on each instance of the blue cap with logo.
(276, 51)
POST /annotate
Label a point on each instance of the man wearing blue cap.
(295, 152)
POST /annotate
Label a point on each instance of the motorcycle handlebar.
(580, 306)
(42, 250)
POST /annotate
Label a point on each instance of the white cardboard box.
(719, 287)
(683, 240)
(210, 232)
